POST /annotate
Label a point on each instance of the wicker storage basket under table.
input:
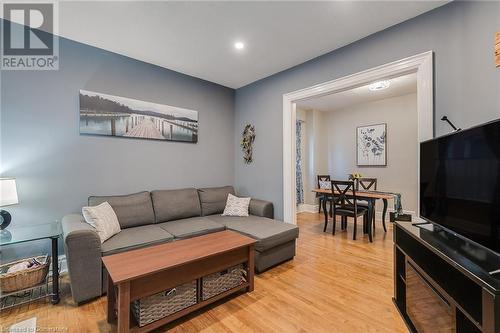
(217, 283)
(27, 278)
(154, 307)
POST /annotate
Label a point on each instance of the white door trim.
(422, 64)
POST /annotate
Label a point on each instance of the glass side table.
(24, 234)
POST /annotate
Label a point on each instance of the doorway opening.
(419, 67)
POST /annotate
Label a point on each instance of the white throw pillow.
(325, 184)
(236, 206)
(103, 218)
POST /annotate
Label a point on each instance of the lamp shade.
(8, 192)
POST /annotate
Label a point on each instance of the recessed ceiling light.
(379, 85)
(239, 45)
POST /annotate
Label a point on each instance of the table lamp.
(8, 196)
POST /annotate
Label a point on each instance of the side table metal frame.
(54, 294)
(55, 271)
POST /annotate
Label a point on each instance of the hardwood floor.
(334, 284)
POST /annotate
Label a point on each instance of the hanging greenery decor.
(497, 49)
(248, 137)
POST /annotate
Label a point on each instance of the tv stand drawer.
(427, 308)
(450, 279)
(434, 293)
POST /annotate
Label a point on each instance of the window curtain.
(298, 163)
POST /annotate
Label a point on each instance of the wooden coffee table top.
(141, 262)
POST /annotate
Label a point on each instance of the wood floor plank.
(334, 284)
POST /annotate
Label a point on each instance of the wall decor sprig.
(497, 49)
(248, 137)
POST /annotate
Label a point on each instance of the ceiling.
(197, 38)
(401, 85)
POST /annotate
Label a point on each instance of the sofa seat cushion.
(195, 226)
(135, 238)
(132, 210)
(268, 233)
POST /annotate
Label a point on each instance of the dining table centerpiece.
(354, 176)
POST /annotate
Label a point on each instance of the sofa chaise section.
(275, 239)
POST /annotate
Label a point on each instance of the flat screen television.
(460, 183)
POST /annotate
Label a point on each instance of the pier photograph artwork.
(102, 114)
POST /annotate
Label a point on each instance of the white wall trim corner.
(307, 208)
(422, 64)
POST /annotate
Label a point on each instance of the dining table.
(366, 195)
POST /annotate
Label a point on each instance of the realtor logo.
(28, 36)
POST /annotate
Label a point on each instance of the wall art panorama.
(371, 145)
(102, 114)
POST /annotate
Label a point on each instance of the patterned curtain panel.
(298, 164)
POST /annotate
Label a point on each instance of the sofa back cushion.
(132, 210)
(175, 204)
(213, 199)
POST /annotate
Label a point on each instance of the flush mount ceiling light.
(379, 85)
(239, 45)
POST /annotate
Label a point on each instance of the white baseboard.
(307, 208)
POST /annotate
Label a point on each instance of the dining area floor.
(314, 222)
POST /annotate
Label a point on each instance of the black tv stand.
(416, 224)
(444, 282)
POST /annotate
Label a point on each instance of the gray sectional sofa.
(149, 218)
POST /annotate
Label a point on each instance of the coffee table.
(138, 273)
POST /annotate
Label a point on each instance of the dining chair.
(323, 179)
(367, 184)
(345, 205)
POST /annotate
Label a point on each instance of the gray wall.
(467, 84)
(400, 174)
(57, 168)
